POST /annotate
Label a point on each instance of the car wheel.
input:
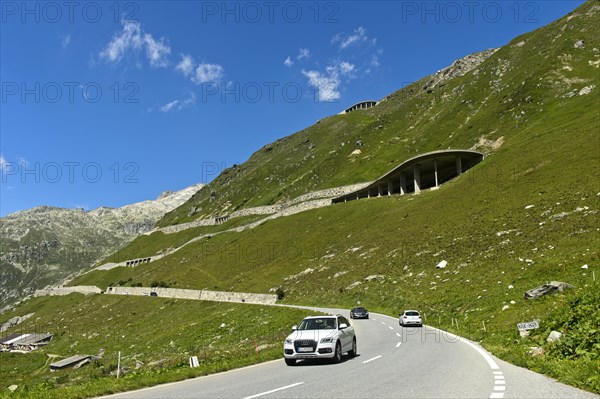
(290, 362)
(337, 357)
(353, 352)
(400, 322)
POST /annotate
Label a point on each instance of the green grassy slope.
(159, 350)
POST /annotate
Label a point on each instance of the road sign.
(530, 325)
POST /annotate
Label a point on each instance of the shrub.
(280, 293)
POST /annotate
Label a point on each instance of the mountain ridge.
(43, 245)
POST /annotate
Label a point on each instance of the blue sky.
(110, 103)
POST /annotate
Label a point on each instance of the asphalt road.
(393, 362)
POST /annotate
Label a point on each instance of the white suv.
(319, 337)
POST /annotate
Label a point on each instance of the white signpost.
(194, 361)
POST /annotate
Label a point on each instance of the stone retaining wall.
(279, 210)
(202, 295)
(54, 291)
(129, 262)
(184, 226)
(329, 192)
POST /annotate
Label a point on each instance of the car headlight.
(289, 341)
(327, 340)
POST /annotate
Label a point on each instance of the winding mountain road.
(393, 362)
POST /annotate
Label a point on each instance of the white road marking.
(382, 323)
(483, 353)
(273, 390)
(498, 389)
(374, 319)
(398, 334)
(370, 360)
(390, 327)
(398, 344)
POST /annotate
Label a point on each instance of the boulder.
(580, 44)
(586, 90)
(13, 388)
(536, 351)
(554, 336)
(549, 288)
(442, 264)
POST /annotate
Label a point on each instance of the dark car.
(359, 313)
(153, 293)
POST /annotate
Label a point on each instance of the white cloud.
(156, 51)
(346, 68)
(288, 62)
(327, 85)
(359, 36)
(186, 65)
(169, 106)
(179, 104)
(132, 39)
(303, 53)
(65, 40)
(375, 60)
(208, 73)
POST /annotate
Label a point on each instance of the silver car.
(410, 318)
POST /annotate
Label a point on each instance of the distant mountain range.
(45, 245)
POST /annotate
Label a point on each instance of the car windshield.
(412, 313)
(359, 309)
(325, 323)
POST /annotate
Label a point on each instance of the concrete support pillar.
(435, 168)
(379, 190)
(402, 184)
(417, 178)
(458, 166)
(390, 187)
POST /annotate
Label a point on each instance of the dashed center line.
(273, 390)
(398, 344)
(390, 327)
(382, 323)
(370, 360)
(398, 334)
